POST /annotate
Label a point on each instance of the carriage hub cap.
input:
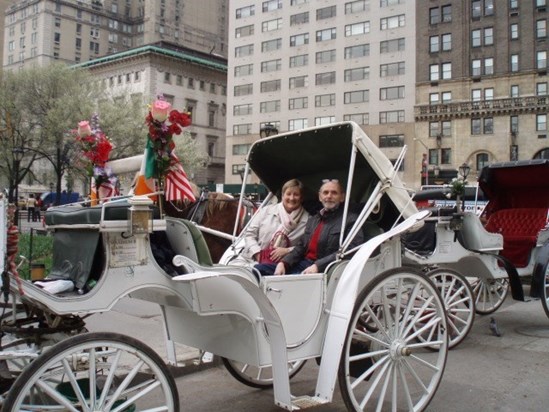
(399, 349)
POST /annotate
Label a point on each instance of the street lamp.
(17, 153)
(464, 170)
(268, 129)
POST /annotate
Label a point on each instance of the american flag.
(178, 186)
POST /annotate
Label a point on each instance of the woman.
(275, 229)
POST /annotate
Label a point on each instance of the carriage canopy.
(314, 154)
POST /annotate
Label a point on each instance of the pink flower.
(160, 110)
(84, 128)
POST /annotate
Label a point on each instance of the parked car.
(49, 198)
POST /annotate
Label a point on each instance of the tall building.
(300, 63)
(4, 4)
(39, 31)
(481, 84)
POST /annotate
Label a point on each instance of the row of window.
(486, 93)
(484, 125)
(178, 79)
(350, 7)
(354, 29)
(393, 116)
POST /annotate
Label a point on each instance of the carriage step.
(304, 402)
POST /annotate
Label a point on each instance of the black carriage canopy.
(314, 154)
(519, 184)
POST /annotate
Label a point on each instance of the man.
(319, 245)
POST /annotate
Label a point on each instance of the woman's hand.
(278, 253)
(280, 269)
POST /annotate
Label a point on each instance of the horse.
(217, 211)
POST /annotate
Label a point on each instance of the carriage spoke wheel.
(95, 372)
(257, 377)
(386, 368)
(545, 290)
(459, 301)
(489, 294)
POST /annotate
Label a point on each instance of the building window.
(392, 69)
(514, 31)
(299, 18)
(78, 44)
(541, 123)
(238, 169)
(476, 68)
(433, 156)
(514, 124)
(326, 12)
(514, 63)
(326, 56)
(541, 60)
(245, 12)
(488, 65)
(482, 160)
(434, 15)
(446, 97)
(325, 100)
(489, 36)
(358, 118)
(242, 51)
(299, 39)
(298, 61)
(475, 127)
(446, 12)
(271, 66)
(270, 86)
(300, 81)
(242, 129)
(297, 124)
(242, 109)
(357, 6)
(488, 7)
(434, 72)
(326, 34)
(488, 125)
(434, 44)
(354, 52)
(271, 25)
(476, 9)
(241, 149)
(357, 96)
(476, 38)
(445, 156)
(57, 38)
(393, 22)
(514, 91)
(271, 45)
(244, 70)
(357, 29)
(298, 103)
(394, 116)
(360, 73)
(391, 140)
(513, 4)
(541, 89)
(269, 107)
(319, 121)
(244, 31)
(391, 93)
(446, 42)
(541, 29)
(489, 93)
(433, 98)
(243, 90)
(391, 46)
(325, 78)
(271, 5)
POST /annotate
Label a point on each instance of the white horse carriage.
(378, 327)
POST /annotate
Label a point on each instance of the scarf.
(288, 223)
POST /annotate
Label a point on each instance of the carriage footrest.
(304, 402)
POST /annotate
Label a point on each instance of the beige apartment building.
(39, 31)
(300, 63)
(482, 83)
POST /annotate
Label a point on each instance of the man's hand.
(311, 269)
(280, 269)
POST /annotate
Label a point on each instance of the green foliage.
(458, 187)
(42, 251)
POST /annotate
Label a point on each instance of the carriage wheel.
(388, 367)
(489, 294)
(545, 290)
(459, 302)
(258, 377)
(95, 371)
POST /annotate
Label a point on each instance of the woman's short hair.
(292, 183)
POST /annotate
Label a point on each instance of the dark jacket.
(328, 242)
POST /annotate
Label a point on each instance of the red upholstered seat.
(519, 228)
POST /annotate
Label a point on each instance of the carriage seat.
(187, 240)
(519, 228)
(422, 241)
(474, 236)
(79, 215)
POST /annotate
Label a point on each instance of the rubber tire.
(254, 382)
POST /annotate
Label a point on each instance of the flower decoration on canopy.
(457, 185)
(96, 148)
(160, 160)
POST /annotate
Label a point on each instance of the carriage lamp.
(140, 215)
